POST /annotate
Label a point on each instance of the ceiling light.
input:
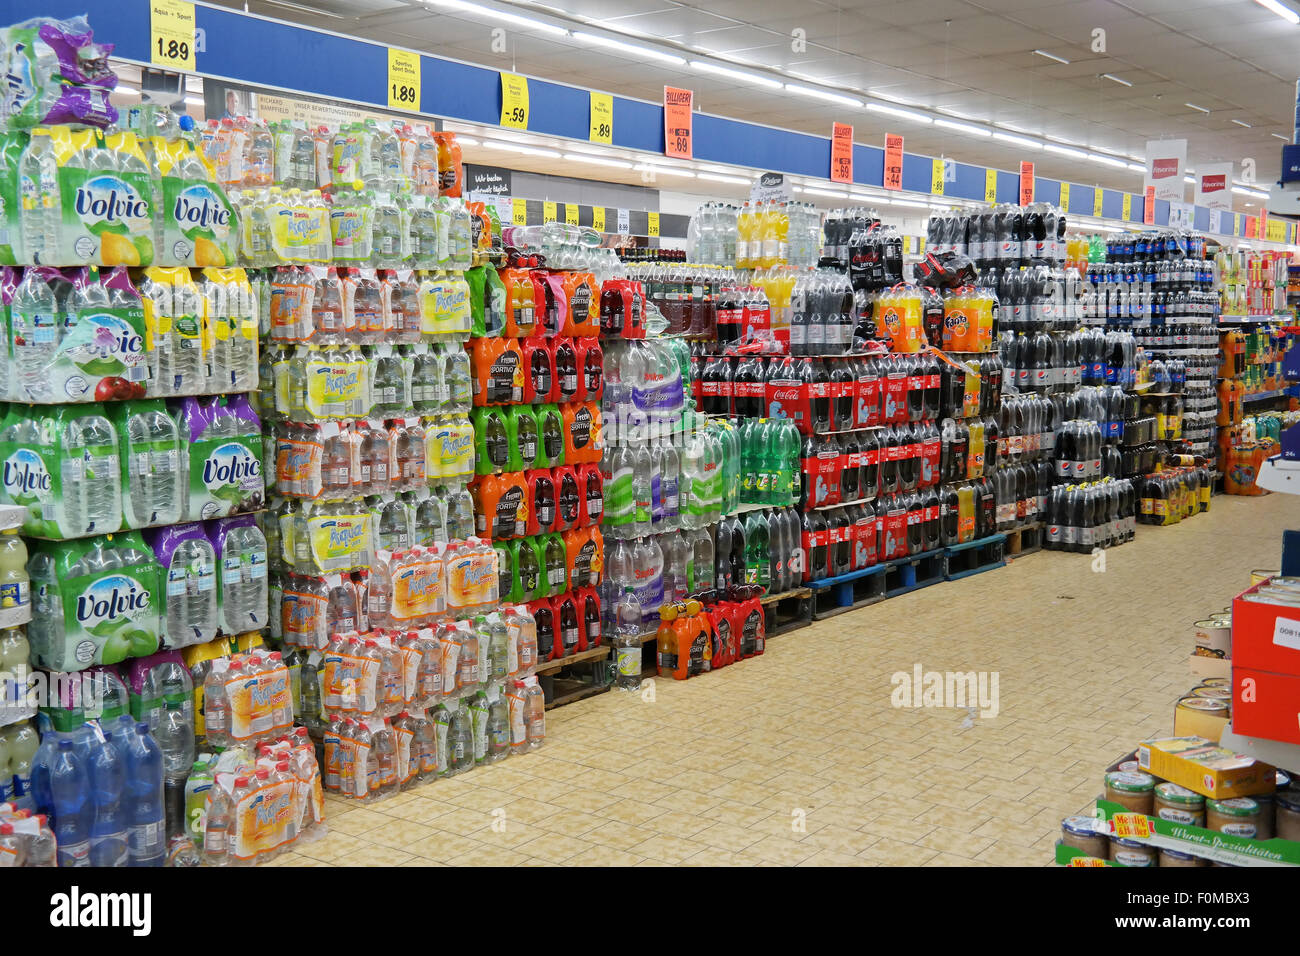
(903, 114)
(1138, 167)
(1240, 191)
(895, 99)
(965, 116)
(632, 48)
(1018, 140)
(834, 194)
(910, 203)
(711, 177)
(1108, 161)
(1285, 12)
(1062, 139)
(1278, 136)
(1189, 179)
(1065, 151)
(962, 127)
(1240, 123)
(466, 140)
(741, 75)
(1199, 109)
(1052, 56)
(528, 23)
(1014, 129)
(1115, 79)
(524, 150)
(710, 168)
(665, 170)
(596, 160)
(823, 94)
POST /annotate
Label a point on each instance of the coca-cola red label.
(866, 412)
(826, 483)
(750, 390)
(931, 449)
(730, 316)
(894, 533)
(710, 388)
(789, 399)
(819, 390)
(895, 399)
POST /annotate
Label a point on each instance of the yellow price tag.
(571, 213)
(920, 245)
(1127, 210)
(652, 227)
(1065, 197)
(171, 34)
(598, 218)
(549, 213)
(990, 185)
(936, 177)
(1236, 224)
(1086, 861)
(1130, 825)
(514, 101)
(519, 212)
(1097, 195)
(403, 80)
(602, 118)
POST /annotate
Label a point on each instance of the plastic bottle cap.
(241, 781)
(6, 829)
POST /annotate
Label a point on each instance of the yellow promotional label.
(936, 177)
(990, 185)
(652, 227)
(267, 817)
(339, 542)
(514, 101)
(519, 212)
(598, 218)
(259, 704)
(549, 212)
(571, 213)
(1097, 195)
(171, 34)
(1065, 197)
(1131, 825)
(403, 80)
(1128, 207)
(332, 388)
(920, 245)
(350, 683)
(602, 118)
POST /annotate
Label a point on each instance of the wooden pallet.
(564, 687)
(1026, 540)
(974, 557)
(788, 611)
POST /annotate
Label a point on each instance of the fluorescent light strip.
(1199, 109)
(596, 160)
(910, 204)
(1052, 56)
(901, 113)
(524, 150)
(1285, 12)
(823, 95)
(962, 127)
(598, 40)
(526, 22)
(959, 115)
(1284, 139)
(710, 168)
(741, 75)
(1065, 151)
(1240, 123)
(1018, 140)
(1115, 79)
(1108, 161)
(814, 191)
(713, 178)
(1014, 129)
(466, 140)
(665, 170)
(1138, 167)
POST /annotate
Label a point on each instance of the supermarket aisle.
(719, 769)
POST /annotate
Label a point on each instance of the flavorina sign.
(1165, 161)
(1214, 185)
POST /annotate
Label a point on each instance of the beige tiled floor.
(798, 757)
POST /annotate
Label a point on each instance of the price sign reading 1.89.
(403, 80)
(514, 101)
(171, 34)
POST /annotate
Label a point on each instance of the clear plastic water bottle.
(34, 339)
(92, 482)
(192, 592)
(245, 587)
(627, 641)
(73, 810)
(108, 837)
(154, 492)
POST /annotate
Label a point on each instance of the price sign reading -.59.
(171, 34)
(514, 101)
(403, 80)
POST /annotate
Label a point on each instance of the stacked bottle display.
(539, 429)
(757, 235)
(1161, 286)
(111, 433)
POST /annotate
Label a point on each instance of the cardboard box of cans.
(1266, 660)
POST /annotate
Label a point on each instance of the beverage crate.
(915, 571)
(982, 554)
(832, 596)
(788, 611)
(1025, 540)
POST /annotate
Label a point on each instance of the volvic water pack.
(104, 197)
(97, 601)
(225, 457)
(199, 226)
(12, 145)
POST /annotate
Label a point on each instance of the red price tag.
(677, 122)
(841, 153)
(1149, 206)
(1026, 183)
(893, 161)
